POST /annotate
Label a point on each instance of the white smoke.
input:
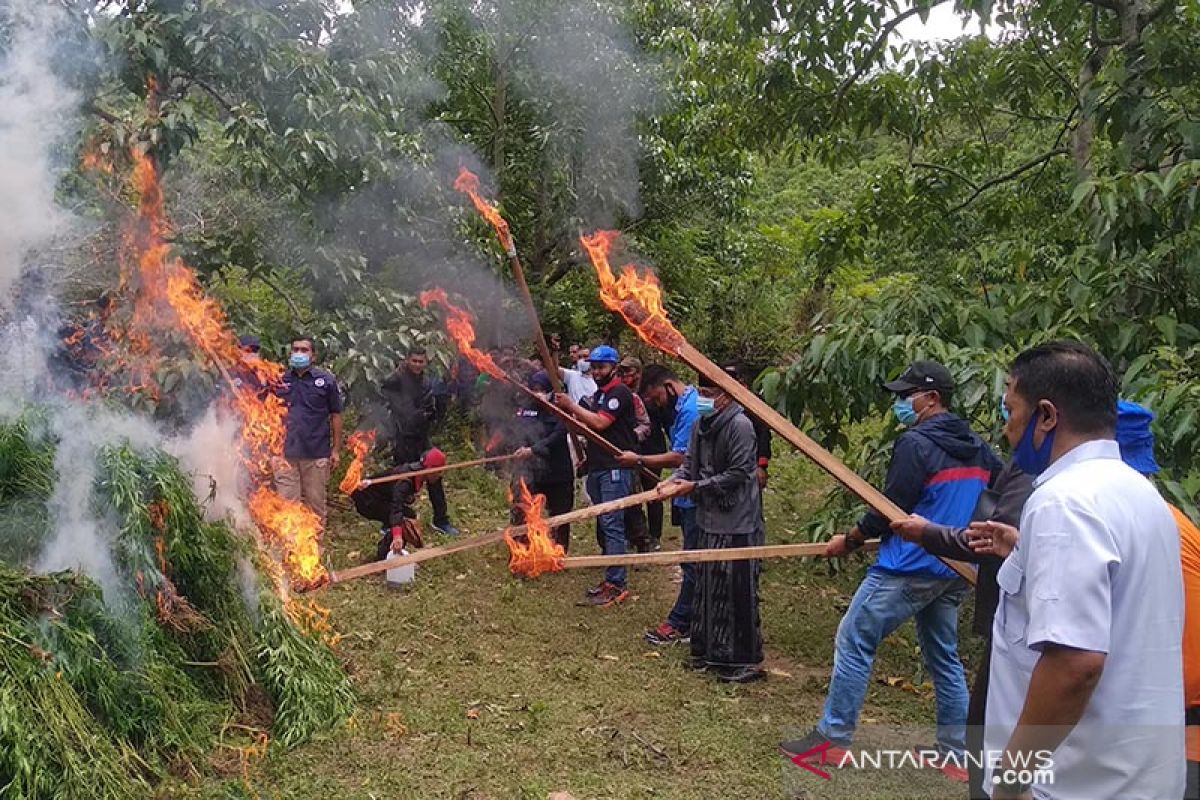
(210, 452)
(37, 113)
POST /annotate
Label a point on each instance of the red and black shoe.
(816, 749)
(932, 758)
(666, 634)
(609, 594)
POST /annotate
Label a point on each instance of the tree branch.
(948, 170)
(881, 38)
(1008, 176)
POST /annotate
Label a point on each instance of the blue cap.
(604, 355)
(250, 340)
(540, 381)
(1135, 438)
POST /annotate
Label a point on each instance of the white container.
(400, 575)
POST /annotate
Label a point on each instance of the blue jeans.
(680, 617)
(881, 604)
(611, 484)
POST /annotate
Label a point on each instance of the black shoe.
(696, 664)
(741, 675)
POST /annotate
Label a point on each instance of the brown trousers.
(303, 480)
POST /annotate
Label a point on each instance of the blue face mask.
(706, 406)
(1003, 411)
(299, 360)
(1033, 460)
(904, 411)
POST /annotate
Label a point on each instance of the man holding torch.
(611, 414)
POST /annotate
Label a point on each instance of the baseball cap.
(604, 354)
(433, 458)
(631, 362)
(250, 340)
(923, 376)
(540, 381)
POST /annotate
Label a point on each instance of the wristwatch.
(641, 462)
(854, 542)
(1010, 788)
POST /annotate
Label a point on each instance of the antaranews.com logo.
(1036, 769)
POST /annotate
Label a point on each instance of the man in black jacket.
(391, 504)
(413, 409)
(545, 466)
(1000, 502)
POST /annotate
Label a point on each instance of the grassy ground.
(475, 685)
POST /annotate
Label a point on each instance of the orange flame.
(538, 553)
(168, 298)
(461, 326)
(636, 296)
(360, 443)
(468, 183)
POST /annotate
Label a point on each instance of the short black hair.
(1078, 380)
(304, 337)
(656, 375)
(417, 350)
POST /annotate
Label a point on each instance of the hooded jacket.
(939, 469)
(721, 458)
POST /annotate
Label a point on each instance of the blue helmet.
(604, 355)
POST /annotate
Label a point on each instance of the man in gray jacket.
(719, 473)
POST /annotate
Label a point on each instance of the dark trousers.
(408, 450)
(975, 711)
(560, 498)
(680, 617)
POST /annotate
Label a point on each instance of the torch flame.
(461, 326)
(468, 183)
(636, 296)
(360, 443)
(538, 553)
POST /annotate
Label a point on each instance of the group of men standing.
(1092, 657)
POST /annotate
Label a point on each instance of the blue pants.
(611, 484)
(881, 604)
(680, 617)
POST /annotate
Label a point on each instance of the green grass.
(475, 685)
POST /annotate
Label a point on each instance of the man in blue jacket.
(939, 468)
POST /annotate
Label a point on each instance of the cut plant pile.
(104, 693)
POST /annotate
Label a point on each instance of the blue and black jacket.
(939, 468)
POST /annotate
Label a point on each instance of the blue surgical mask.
(299, 360)
(706, 406)
(904, 411)
(1003, 411)
(1033, 460)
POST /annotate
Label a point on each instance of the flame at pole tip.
(460, 324)
(467, 182)
(635, 295)
(360, 444)
(535, 552)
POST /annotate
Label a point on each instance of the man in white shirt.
(1086, 673)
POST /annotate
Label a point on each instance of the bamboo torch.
(638, 298)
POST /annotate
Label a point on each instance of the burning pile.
(533, 552)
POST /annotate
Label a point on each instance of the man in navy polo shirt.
(611, 413)
(313, 438)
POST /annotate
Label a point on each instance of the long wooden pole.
(784, 427)
(812, 549)
(420, 473)
(663, 491)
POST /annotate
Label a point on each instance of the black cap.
(250, 340)
(922, 376)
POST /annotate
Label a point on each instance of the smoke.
(80, 539)
(37, 115)
(210, 454)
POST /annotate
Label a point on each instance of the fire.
(461, 327)
(538, 553)
(493, 443)
(636, 296)
(360, 444)
(468, 183)
(169, 298)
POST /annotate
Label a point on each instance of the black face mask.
(672, 398)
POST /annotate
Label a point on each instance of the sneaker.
(592, 591)
(609, 595)
(741, 675)
(665, 634)
(933, 758)
(446, 529)
(696, 664)
(816, 749)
